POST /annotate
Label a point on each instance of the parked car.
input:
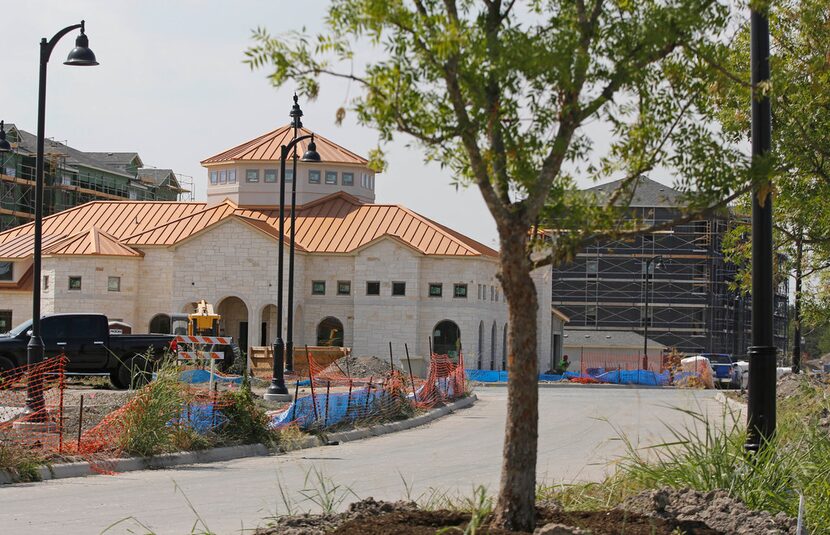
(721, 365)
(86, 341)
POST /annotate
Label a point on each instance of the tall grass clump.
(21, 462)
(709, 454)
(246, 422)
(149, 425)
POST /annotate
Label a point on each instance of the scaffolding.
(691, 306)
(66, 185)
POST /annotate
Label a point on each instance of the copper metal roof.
(90, 242)
(267, 148)
(338, 223)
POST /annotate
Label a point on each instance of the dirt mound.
(716, 509)
(370, 517)
(359, 367)
(790, 384)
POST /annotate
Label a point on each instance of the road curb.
(169, 460)
(729, 402)
(568, 384)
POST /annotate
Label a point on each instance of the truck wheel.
(134, 372)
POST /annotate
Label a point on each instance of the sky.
(172, 86)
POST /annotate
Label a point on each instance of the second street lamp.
(659, 263)
(80, 56)
(277, 390)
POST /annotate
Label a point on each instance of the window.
(492, 293)
(364, 180)
(46, 282)
(313, 176)
(5, 321)
(348, 179)
(214, 177)
(318, 287)
(398, 288)
(114, 284)
(231, 176)
(331, 177)
(497, 295)
(223, 176)
(289, 175)
(6, 271)
(270, 175)
(459, 290)
(592, 266)
(590, 314)
(74, 283)
(372, 288)
(344, 287)
(252, 175)
(436, 289)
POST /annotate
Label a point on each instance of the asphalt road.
(577, 429)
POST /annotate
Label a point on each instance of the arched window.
(493, 346)
(504, 348)
(446, 338)
(480, 345)
(160, 324)
(330, 332)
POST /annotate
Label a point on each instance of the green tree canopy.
(503, 93)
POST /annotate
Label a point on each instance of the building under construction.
(73, 177)
(690, 304)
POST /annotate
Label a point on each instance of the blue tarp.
(341, 408)
(637, 377)
(201, 417)
(203, 376)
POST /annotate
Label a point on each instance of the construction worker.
(737, 376)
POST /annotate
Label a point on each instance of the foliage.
(21, 462)
(800, 166)
(247, 422)
(503, 95)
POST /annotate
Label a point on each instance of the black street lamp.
(659, 264)
(80, 56)
(277, 390)
(762, 353)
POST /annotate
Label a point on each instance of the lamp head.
(81, 55)
(296, 113)
(5, 146)
(311, 154)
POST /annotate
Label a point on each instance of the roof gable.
(91, 242)
(647, 193)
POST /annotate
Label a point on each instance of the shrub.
(247, 422)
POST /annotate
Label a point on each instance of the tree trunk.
(515, 507)
(799, 256)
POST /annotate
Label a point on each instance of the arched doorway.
(504, 348)
(480, 345)
(330, 332)
(493, 346)
(446, 338)
(234, 321)
(160, 324)
(268, 325)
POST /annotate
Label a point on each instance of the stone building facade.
(369, 273)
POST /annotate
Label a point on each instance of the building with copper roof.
(366, 274)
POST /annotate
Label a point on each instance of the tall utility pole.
(762, 353)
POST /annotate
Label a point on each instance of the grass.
(709, 454)
(22, 463)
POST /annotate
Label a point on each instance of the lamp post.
(277, 390)
(762, 353)
(659, 263)
(80, 56)
(310, 155)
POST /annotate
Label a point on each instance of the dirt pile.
(716, 509)
(370, 517)
(359, 367)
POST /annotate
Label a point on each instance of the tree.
(800, 66)
(501, 93)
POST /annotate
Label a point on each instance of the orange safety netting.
(31, 405)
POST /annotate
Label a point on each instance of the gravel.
(359, 367)
(716, 509)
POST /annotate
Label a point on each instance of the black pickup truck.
(90, 348)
